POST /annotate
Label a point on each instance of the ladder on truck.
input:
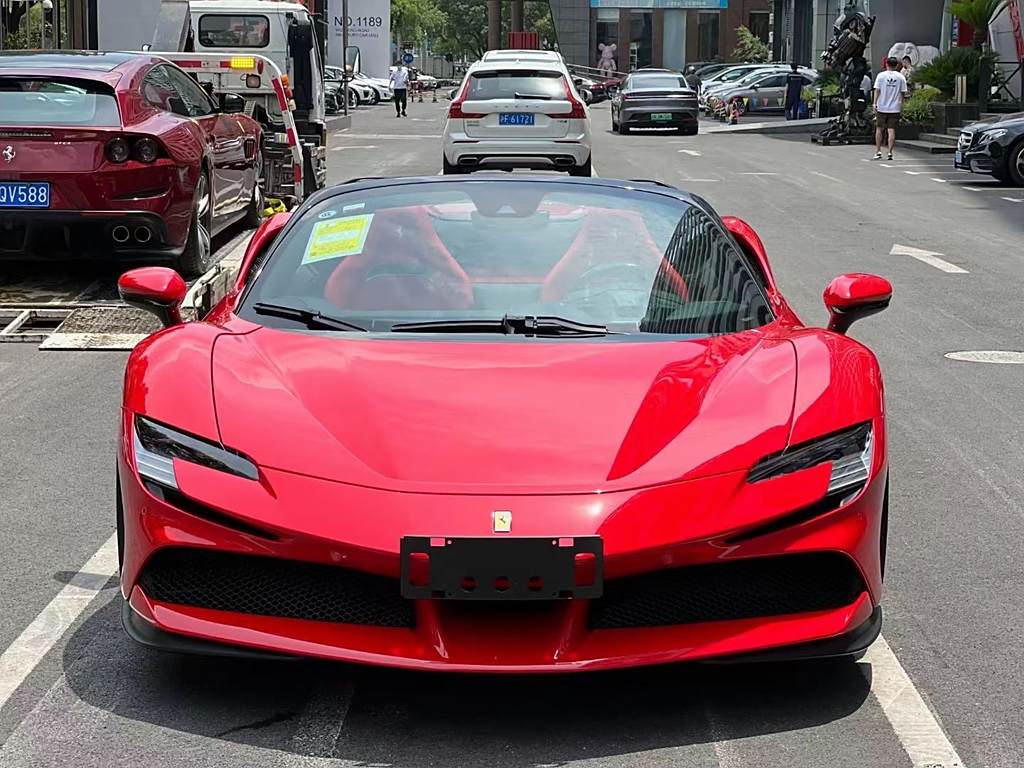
(283, 158)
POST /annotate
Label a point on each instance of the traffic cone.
(734, 113)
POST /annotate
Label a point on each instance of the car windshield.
(57, 102)
(511, 84)
(658, 82)
(732, 75)
(234, 31)
(624, 262)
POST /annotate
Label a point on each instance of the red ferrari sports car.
(120, 155)
(503, 424)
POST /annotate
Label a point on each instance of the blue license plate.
(23, 194)
(515, 118)
(959, 157)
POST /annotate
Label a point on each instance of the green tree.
(980, 14)
(465, 30)
(414, 20)
(749, 47)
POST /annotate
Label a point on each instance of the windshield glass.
(506, 85)
(659, 82)
(631, 262)
(732, 75)
(57, 102)
(234, 31)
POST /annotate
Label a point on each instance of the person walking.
(794, 87)
(400, 86)
(890, 90)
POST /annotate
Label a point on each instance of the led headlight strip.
(849, 450)
(157, 445)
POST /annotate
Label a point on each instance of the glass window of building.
(641, 46)
(707, 36)
(607, 33)
(758, 24)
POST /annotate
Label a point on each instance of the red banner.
(1018, 37)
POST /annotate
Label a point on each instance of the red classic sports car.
(122, 156)
(503, 424)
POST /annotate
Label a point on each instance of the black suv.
(995, 147)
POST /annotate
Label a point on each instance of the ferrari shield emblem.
(502, 521)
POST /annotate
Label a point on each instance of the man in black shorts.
(890, 90)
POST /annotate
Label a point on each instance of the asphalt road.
(955, 583)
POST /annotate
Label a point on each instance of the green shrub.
(750, 48)
(941, 72)
(918, 108)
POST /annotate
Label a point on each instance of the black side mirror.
(231, 104)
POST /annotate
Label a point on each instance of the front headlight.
(849, 451)
(156, 446)
(989, 136)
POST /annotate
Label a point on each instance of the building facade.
(655, 33)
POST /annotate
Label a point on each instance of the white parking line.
(919, 732)
(757, 173)
(826, 176)
(46, 629)
(937, 173)
(941, 181)
(1013, 200)
(928, 257)
(690, 152)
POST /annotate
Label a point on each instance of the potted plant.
(918, 113)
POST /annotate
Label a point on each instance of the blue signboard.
(688, 4)
(407, 58)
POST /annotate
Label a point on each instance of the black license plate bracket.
(502, 568)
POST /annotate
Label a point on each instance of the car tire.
(586, 169)
(448, 169)
(688, 130)
(196, 257)
(1015, 164)
(257, 203)
(622, 130)
(374, 97)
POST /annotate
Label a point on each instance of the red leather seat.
(608, 237)
(403, 266)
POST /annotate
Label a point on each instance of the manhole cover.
(997, 356)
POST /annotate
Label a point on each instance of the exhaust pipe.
(563, 162)
(120, 234)
(143, 235)
(469, 161)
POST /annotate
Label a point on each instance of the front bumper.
(644, 533)
(988, 159)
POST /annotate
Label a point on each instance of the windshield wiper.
(539, 96)
(509, 325)
(311, 317)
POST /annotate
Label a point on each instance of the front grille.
(742, 589)
(965, 141)
(272, 587)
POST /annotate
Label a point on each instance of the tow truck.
(265, 51)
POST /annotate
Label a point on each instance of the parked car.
(517, 114)
(369, 90)
(511, 424)
(764, 93)
(655, 98)
(730, 75)
(995, 147)
(123, 156)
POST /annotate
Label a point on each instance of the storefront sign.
(369, 30)
(688, 4)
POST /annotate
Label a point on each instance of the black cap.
(892, 62)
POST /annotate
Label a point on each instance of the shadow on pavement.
(401, 718)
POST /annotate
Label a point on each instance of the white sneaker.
(878, 156)
(890, 155)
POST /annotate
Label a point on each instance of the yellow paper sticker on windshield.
(337, 238)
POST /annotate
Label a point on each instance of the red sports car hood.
(516, 416)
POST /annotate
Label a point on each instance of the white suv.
(517, 114)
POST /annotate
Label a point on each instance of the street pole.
(344, 56)
(517, 15)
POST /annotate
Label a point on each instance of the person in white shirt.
(400, 87)
(890, 90)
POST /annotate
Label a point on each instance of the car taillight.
(145, 150)
(455, 111)
(118, 150)
(578, 111)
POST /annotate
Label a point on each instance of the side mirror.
(852, 297)
(157, 290)
(231, 104)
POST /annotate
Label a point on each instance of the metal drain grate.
(30, 325)
(109, 328)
